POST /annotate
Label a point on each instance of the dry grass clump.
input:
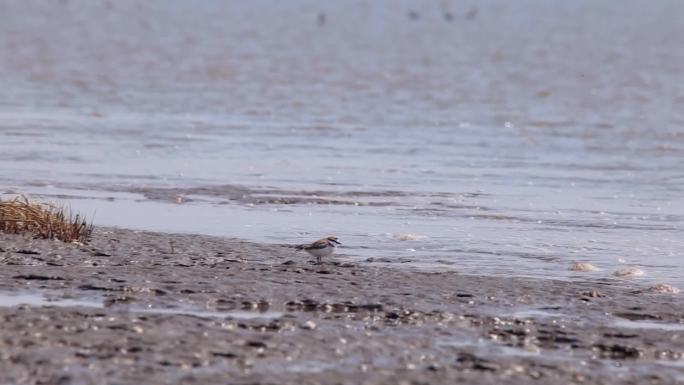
(44, 220)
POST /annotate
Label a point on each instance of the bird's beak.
(337, 242)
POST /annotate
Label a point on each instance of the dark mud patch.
(226, 194)
(37, 277)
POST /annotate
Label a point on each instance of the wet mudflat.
(140, 307)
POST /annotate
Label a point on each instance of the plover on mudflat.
(321, 248)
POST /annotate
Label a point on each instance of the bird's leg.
(318, 259)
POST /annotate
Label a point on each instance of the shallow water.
(38, 299)
(512, 138)
(674, 327)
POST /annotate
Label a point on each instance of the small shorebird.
(321, 248)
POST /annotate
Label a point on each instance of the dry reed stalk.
(44, 220)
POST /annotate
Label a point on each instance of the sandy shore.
(139, 307)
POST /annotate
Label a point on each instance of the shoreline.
(210, 308)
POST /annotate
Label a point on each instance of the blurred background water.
(489, 137)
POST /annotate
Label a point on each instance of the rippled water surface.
(498, 138)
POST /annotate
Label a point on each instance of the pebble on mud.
(662, 288)
(593, 294)
(583, 267)
(629, 272)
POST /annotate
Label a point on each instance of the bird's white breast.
(324, 252)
